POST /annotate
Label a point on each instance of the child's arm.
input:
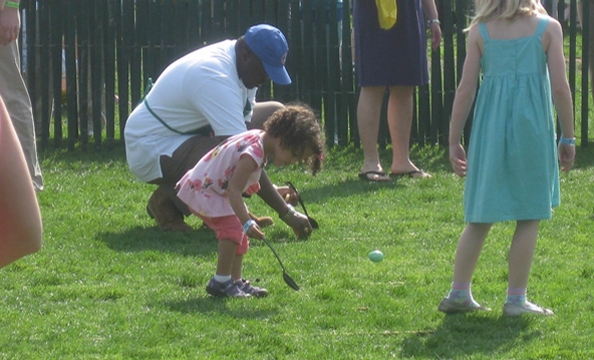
(463, 101)
(561, 92)
(243, 170)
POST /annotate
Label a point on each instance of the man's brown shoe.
(165, 213)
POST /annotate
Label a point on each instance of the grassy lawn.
(108, 284)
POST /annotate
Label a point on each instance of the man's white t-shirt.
(201, 88)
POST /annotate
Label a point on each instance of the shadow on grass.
(207, 305)
(346, 188)
(197, 242)
(461, 336)
(584, 158)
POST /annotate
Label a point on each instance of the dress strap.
(484, 32)
(542, 25)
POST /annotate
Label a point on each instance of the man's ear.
(244, 51)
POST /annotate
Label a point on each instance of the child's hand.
(458, 159)
(254, 231)
(566, 156)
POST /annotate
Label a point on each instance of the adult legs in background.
(400, 111)
(400, 114)
(17, 101)
(164, 206)
(368, 119)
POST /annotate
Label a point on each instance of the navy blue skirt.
(394, 57)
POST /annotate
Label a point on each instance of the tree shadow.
(461, 336)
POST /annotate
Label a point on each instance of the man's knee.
(262, 112)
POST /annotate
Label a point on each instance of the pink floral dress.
(204, 187)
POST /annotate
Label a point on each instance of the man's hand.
(10, 23)
(298, 222)
(288, 194)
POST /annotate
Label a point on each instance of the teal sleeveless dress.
(512, 172)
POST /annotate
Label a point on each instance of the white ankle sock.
(222, 278)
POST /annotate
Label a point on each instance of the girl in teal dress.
(511, 171)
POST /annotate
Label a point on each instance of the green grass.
(108, 284)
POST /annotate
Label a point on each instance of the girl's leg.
(245, 285)
(222, 283)
(400, 113)
(521, 253)
(236, 267)
(469, 248)
(225, 262)
(468, 251)
(368, 119)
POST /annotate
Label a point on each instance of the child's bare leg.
(468, 251)
(521, 253)
(222, 283)
(400, 114)
(236, 267)
(226, 252)
(471, 242)
(244, 285)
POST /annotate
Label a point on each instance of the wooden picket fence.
(87, 61)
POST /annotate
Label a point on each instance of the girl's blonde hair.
(486, 10)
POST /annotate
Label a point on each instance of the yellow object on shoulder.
(387, 12)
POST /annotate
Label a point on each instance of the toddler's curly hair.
(298, 129)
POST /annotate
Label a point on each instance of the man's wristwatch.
(290, 212)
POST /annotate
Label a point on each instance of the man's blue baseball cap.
(270, 45)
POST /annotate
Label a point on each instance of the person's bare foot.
(420, 174)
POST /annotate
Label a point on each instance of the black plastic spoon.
(314, 224)
(292, 284)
